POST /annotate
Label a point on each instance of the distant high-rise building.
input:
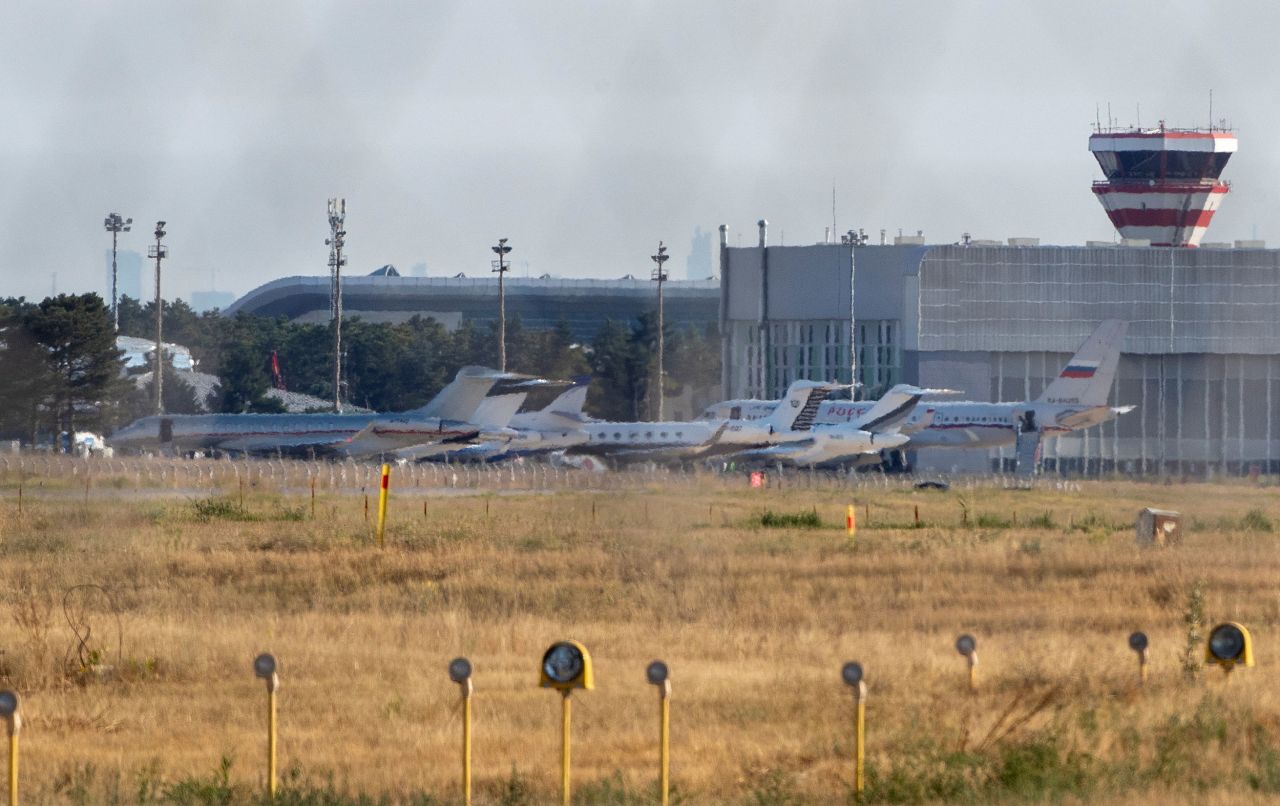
(202, 301)
(418, 269)
(128, 274)
(698, 264)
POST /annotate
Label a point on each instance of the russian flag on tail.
(1080, 369)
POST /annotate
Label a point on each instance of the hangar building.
(1201, 357)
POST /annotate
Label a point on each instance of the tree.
(80, 352)
(25, 374)
(243, 375)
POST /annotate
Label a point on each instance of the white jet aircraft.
(447, 417)
(880, 428)
(700, 439)
(1076, 399)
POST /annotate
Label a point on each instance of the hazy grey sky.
(586, 131)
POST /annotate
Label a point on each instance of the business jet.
(447, 417)
(1076, 399)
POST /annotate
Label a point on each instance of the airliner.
(447, 417)
(1076, 399)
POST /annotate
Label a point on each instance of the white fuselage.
(949, 424)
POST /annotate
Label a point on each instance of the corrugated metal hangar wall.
(1201, 359)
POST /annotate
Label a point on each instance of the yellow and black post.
(1138, 643)
(460, 673)
(382, 505)
(566, 665)
(658, 675)
(264, 666)
(852, 675)
(13, 721)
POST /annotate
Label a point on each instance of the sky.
(586, 131)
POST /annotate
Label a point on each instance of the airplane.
(447, 417)
(700, 439)
(1076, 399)
(882, 427)
(554, 427)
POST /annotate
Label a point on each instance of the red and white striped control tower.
(1162, 184)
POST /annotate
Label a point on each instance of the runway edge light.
(1229, 645)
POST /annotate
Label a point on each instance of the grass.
(754, 624)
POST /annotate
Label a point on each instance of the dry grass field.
(140, 689)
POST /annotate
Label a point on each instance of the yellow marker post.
(1138, 643)
(565, 713)
(851, 520)
(967, 646)
(852, 676)
(382, 505)
(264, 666)
(658, 675)
(13, 721)
(566, 665)
(460, 673)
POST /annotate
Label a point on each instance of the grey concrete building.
(1201, 358)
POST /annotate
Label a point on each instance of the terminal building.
(540, 303)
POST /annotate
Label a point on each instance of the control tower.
(1162, 184)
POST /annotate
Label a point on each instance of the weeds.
(1255, 520)
(790, 520)
(1193, 619)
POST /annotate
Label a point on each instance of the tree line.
(63, 372)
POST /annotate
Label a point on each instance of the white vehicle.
(1076, 399)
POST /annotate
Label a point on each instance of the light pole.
(159, 251)
(336, 241)
(660, 275)
(501, 250)
(115, 225)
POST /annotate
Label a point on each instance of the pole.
(466, 742)
(860, 725)
(502, 317)
(382, 505)
(501, 251)
(13, 766)
(850, 520)
(115, 309)
(1142, 667)
(664, 749)
(661, 346)
(159, 324)
(564, 748)
(660, 275)
(271, 741)
(972, 657)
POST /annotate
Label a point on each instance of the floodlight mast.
(660, 275)
(159, 252)
(501, 267)
(115, 225)
(336, 241)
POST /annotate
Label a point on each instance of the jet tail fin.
(894, 408)
(563, 412)
(463, 395)
(798, 408)
(1086, 379)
